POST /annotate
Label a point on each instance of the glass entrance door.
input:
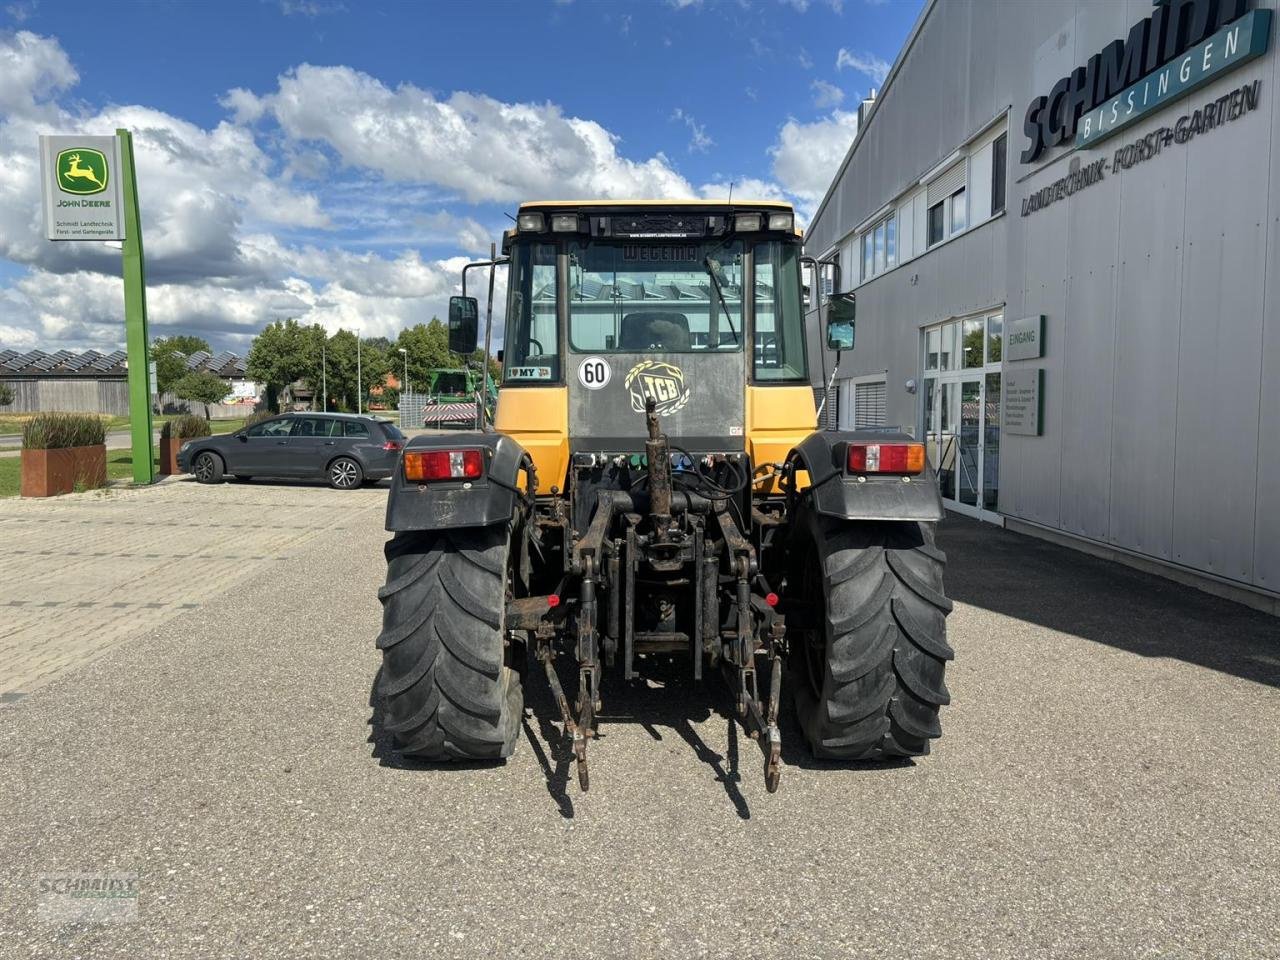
(962, 412)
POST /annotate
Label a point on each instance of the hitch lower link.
(760, 720)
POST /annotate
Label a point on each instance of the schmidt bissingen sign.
(1182, 45)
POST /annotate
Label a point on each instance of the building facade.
(1061, 223)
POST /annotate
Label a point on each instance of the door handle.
(330, 443)
(282, 443)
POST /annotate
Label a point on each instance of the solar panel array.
(89, 363)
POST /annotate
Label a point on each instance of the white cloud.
(804, 59)
(867, 63)
(216, 209)
(826, 94)
(800, 6)
(699, 142)
(485, 149)
(806, 156)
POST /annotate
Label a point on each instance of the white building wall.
(1161, 285)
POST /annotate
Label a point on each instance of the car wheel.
(345, 474)
(208, 468)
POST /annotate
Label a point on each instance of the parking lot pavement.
(82, 573)
(1106, 787)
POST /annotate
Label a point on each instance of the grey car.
(345, 449)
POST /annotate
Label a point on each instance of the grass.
(119, 467)
(12, 423)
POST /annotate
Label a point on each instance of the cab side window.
(357, 429)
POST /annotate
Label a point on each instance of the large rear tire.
(868, 658)
(450, 685)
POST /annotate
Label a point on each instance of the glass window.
(879, 235)
(932, 343)
(972, 343)
(317, 427)
(991, 444)
(937, 222)
(272, 428)
(392, 431)
(629, 297)
(356, 428)
(999, 153)
(959, 213)
(531, 350)
(868, 256)
(779, 325)
(891, 241)
(995, 338)
(948, 350)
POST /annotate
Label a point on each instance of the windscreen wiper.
(713, 267)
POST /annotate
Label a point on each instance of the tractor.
(654, 489)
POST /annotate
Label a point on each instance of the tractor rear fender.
(837, 493)
(453, 504)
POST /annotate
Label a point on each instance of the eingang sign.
(1131, 77)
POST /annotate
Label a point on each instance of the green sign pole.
(135, 320)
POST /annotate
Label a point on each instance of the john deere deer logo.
(81, 171)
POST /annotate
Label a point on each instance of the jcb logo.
(663, 383)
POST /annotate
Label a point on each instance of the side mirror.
(242, 437)
(464, 324)
(841, 312)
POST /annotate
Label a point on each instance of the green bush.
(56, 431)
(6, 394)
(184, 427)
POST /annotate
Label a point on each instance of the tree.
(426, 345)
(6, 394)
(170, 357)
(203, 387)
(372, 368)
(283, 352)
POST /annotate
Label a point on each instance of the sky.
(339, 162)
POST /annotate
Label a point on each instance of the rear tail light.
(427, 465)
(392, 445)
(886, 457)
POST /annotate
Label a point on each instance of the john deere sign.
(82, 189)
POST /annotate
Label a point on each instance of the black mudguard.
(452, 504)
(836, 493)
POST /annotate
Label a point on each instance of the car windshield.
(676, 297)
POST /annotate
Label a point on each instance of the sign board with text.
(1024, 338)
(83, 188)
(1024, 401)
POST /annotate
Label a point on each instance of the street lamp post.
(324, 376)
(359, 378)
(404, 387)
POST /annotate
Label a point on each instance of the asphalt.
(1106, 787)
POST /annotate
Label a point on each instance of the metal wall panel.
(1266, 550)
(1148, 317)
(1220, 344)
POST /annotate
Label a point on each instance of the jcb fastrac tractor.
(654, 486)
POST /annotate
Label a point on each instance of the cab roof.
(622, 204)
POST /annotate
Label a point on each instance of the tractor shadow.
(675, 705)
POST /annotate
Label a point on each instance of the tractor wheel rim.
(344, 474)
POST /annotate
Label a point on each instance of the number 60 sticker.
(594, 372)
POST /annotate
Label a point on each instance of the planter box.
(169, 456)
(48, 473)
